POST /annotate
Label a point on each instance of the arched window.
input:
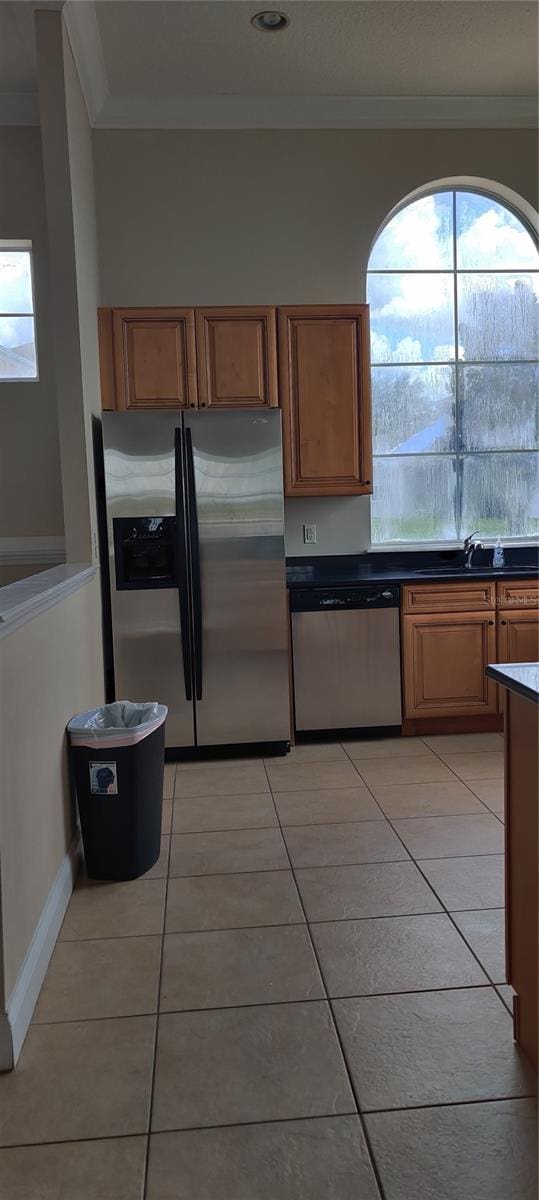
(453, 287)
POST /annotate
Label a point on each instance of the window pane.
(490, 236)
(414, 499)
(418, 237)
(501, 494)
(17, 348)
(498, 316)
(499, 407)
(15, 281)
(411, 318)
(413, 409)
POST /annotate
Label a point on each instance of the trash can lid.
(122, 723)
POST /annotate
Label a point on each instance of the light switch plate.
(309, 535)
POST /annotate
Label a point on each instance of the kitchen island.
(521, 684)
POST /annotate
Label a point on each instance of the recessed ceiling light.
(270, 21)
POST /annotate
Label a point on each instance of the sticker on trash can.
(103, 779)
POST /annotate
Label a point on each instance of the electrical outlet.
(309, 535)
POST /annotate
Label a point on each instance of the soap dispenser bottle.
(498, 557)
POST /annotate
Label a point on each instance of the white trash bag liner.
(122, 723)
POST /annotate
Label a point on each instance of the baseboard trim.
(20, 1006)
(15, 550)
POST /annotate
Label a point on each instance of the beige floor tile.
(160, 868)
(394, 954)
(338, 845)
(168, 780)
(210, 813)
(485, 933)
(308, 752)
(82, 1079)
(450, 837)
(112, 977)
(107, 1169)
(232, 901)
(321, 1159)
(289, 777)
(431, 1048)
(467, 883)
(476, 766)
(221, 779)
(166, 821)
(463, 743)
(332, 804)
(232, 1065)
(239, 966)
(491, 792)
(507, 995)
(228, 852)
(414, 769)
(104, 910)
(405, 747)
(460, 1152)
(372, 890)
(426, 799)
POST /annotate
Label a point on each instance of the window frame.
(453, 186)
(25, 246)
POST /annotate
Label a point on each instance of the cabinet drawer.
(474, 595)
(518, 593)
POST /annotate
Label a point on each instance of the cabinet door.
(518, 636)
(154, 357)
(444, 665)
(236, 357)
(324, 381)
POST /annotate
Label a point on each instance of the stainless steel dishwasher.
(346, 656)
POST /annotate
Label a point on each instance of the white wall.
(30, 487)
(274, 217)
(49, 670)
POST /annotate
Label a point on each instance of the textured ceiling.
(356, 48)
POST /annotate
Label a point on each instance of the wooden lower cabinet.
(444, 661)
(518, 636)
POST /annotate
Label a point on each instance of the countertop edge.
(504, 674)
(25, 599)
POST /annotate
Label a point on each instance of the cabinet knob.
(491, 622)
(503, 622)
(203, 404)
(192, 406)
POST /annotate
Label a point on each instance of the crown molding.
(19, 108)
(85, 40)
(317, 112)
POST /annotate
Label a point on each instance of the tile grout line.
(156, 1034)
(366, 1137)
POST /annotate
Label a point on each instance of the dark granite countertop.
(522, 678)
(521, 562)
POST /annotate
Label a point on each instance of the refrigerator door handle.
(180, 548)
(196, 586)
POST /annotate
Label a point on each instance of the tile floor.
(305, 998)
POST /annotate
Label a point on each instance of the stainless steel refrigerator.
(195, 532)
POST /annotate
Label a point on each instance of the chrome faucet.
(470, 546)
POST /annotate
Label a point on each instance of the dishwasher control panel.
(367, 596)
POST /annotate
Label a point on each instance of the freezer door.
(140, 453)
(238, 571)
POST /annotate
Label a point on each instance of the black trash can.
(117, 760)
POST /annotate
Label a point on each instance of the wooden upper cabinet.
(444, 660)
(236, 357)
(324, 379)
(154, 358)
(518, 636)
